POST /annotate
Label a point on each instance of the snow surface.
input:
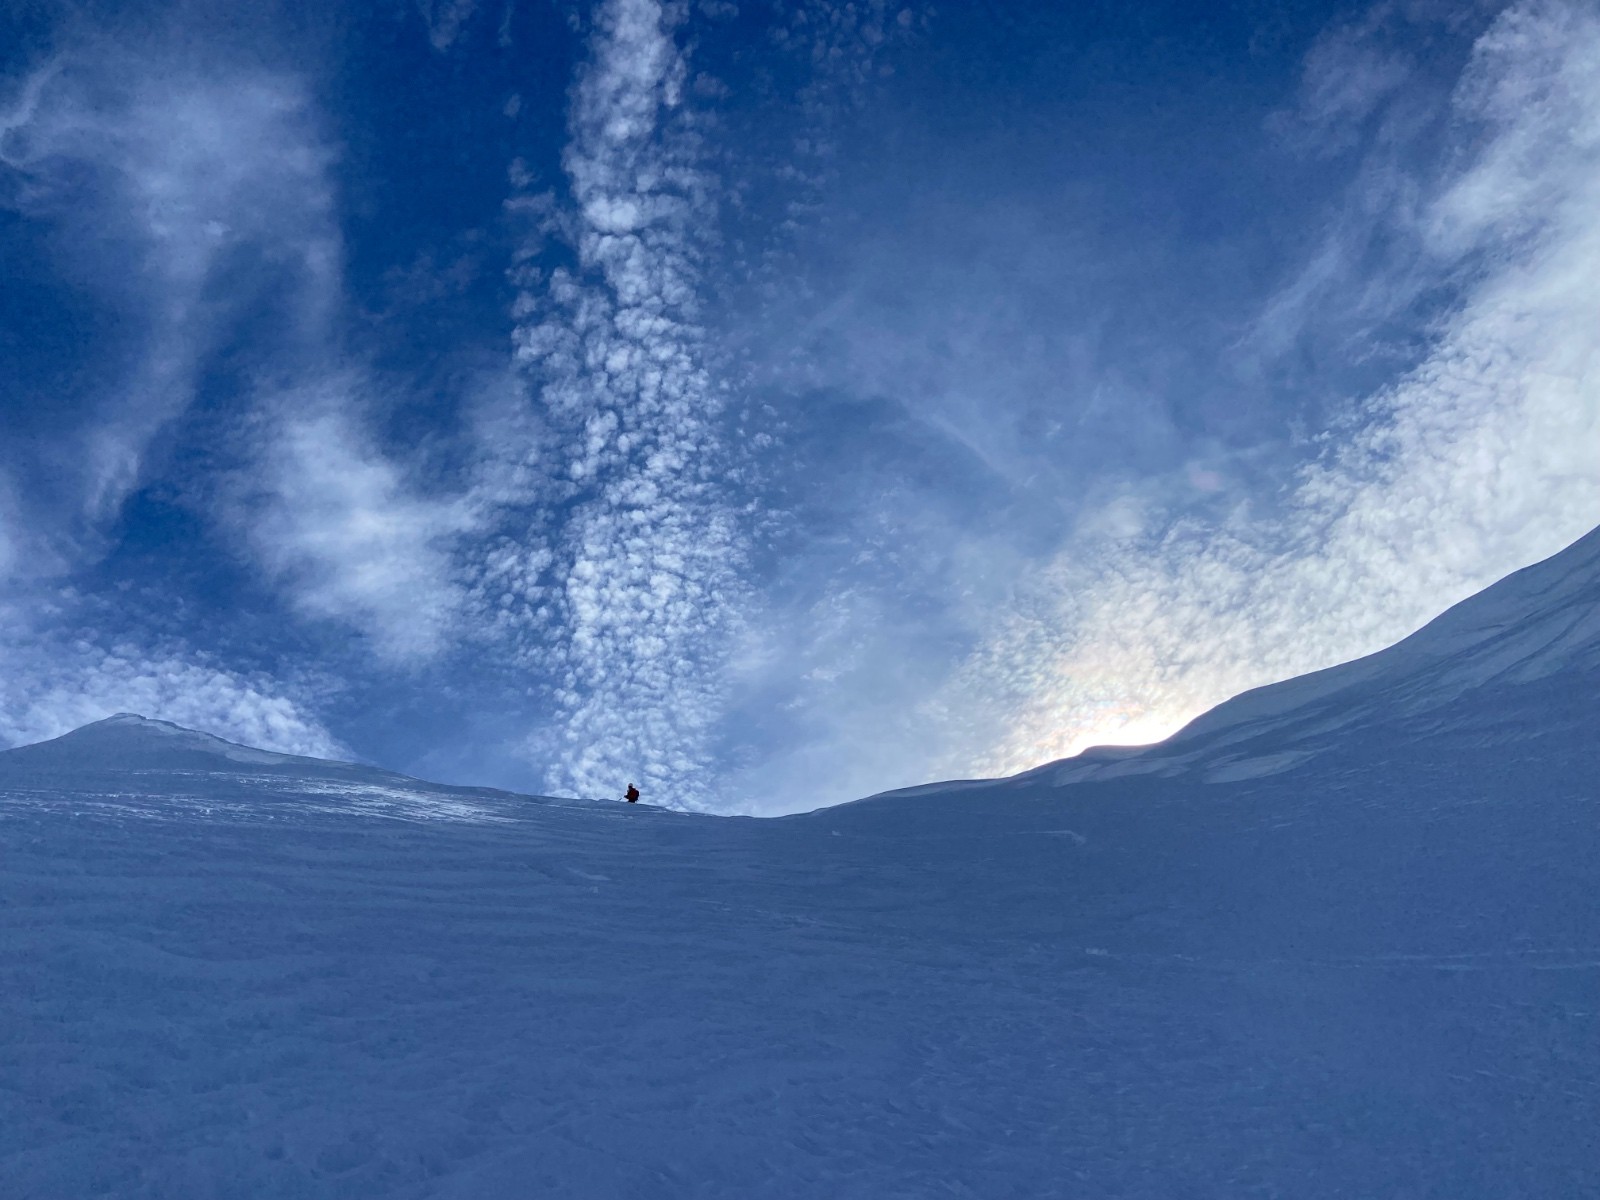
(1339, 939)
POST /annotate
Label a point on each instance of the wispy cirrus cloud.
(1478, 461)
(150, 179)
(594, 536)
(343, 528)
(188, 208)
(1056, 529)
(632, 591)
(445, 20)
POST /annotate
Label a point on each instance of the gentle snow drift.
(1338, 938)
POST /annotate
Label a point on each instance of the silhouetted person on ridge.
(631, 795)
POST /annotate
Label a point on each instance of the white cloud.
(1349, 75)
(191, 198)
(340, 525)
(445, 20)
(1480, 460)
(629, 603)
(153, 173)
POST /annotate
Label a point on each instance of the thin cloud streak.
(205, 193)
(180, 170)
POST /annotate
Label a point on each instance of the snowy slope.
(133, 758)
(1342, 939)
(128, 741)
(1541, 621)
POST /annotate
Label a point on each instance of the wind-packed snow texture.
(1340, 938)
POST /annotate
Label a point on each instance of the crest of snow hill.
(1536, 624)
(128, 741)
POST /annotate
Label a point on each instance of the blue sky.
(772, 403)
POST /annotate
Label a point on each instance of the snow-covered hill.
(129, 759)
(1539, 622)
(129, 742)
(1340, 937)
